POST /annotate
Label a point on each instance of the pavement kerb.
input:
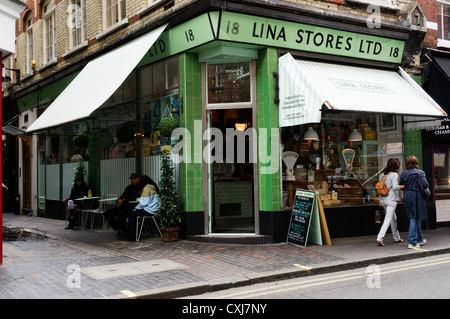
(179, 291)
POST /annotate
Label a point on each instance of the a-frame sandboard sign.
(304, 226)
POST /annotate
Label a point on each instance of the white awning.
(98, 80)
(347, 88)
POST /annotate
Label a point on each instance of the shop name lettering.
(318, 39)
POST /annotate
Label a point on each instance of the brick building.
(215, 65)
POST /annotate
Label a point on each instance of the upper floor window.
(114, 11)
(29, 45)
(77, 22)
(444, 19)
(48, 10)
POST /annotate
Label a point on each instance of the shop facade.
(218, 73)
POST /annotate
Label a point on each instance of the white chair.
(95, 213)
(144, 218)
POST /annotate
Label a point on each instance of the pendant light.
(310, 135)
(355, 136)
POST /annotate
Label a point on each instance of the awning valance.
(305, 86)
(98, 80)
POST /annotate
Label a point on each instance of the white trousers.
(389, 220)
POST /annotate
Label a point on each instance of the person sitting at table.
(79, 189)
(118, 215)
(148, 204)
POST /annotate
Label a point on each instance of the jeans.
(415, 232)
(389, 220)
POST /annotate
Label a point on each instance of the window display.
(340, 157)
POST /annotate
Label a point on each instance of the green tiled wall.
(413, 144)
(191, 93)
(267, 110)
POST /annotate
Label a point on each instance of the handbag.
(424, 191)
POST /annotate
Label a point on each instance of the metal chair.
(93, 213)
(144, 218)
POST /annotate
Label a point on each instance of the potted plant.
(169, 213)
(80, 170)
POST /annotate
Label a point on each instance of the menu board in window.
(229, 83)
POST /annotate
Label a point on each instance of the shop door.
(230, 167)
(26, 175)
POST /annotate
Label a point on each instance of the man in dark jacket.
(79, 190)
(117, 216)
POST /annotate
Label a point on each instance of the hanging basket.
(167, 125)
(170, 233)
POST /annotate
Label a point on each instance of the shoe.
(380, 243)
(70, 227)
(422, 243)
(413, 247)
(398, 241)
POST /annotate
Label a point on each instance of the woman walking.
(415, 205)
(389, 202)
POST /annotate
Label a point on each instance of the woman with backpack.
(389, 202)
(415, 205)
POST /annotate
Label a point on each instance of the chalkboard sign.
(303, 210)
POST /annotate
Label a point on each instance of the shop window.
(229, 83)
(441, 162)
(340, 157)
(75, 142)
(159, 88)
(118, 131)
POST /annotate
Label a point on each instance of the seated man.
(117, 216)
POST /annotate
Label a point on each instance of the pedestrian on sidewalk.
(79, 190)
(389, 202)
(415, 205)
(148, 204)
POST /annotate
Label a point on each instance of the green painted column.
(267, 112)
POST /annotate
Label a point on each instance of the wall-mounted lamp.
(33, 64)
(7, 78)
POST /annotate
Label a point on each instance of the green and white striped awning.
(306, 86)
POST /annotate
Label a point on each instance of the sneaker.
(422, 243)
(413, 247)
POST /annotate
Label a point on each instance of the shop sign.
(270, 32)
(442, 130)
(243, 28)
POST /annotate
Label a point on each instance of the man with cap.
(117, 216)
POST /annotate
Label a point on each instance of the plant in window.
(80, 140)
(125, 133)
(167, 125)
